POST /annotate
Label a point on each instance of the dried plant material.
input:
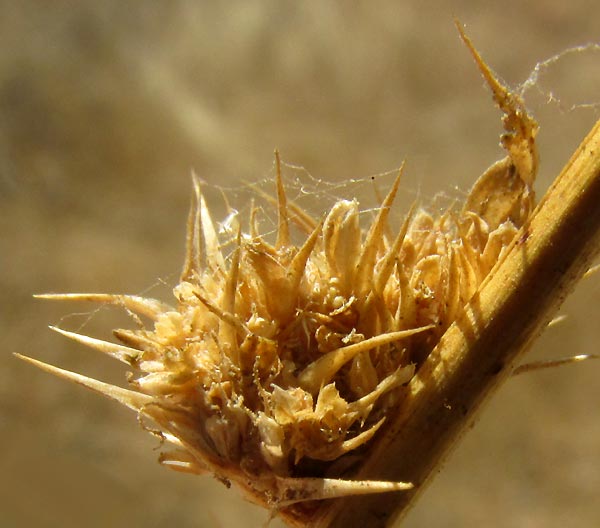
(540, 365)
(277, 361)
(552, 251)
(278, 364)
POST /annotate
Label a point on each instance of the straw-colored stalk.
(480, 350)
(350, 364)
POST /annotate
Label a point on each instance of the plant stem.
(479, 351)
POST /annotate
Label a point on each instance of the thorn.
(387, 264)
(227, 332)
(301, 218)
(120, 352)
(134, 400)
(193, 252)
(399, 377)
(209, 240)
(283, 232)
(224, 316)
(541, 365)
(134, 339)
(502, 96)
(232, 278)
(358, 440)
(591, 271)
(151, 308)
(305, 489)
(557, 320)
(520, 127)
(453, 286)
(366, 261)
(253, 221)
(322, 371)
(298, 264)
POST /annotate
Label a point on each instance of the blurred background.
(106, 107)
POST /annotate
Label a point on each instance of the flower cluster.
(279, 362)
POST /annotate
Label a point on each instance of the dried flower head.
(278, 363)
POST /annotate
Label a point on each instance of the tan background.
(104, 109)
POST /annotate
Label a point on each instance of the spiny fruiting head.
(278, 363)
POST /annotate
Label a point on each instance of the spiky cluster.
(279, 360)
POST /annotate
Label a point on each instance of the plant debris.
(278, 363)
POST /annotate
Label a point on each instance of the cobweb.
(553, 81)
(564, 72)
(230, 207)
(315, 197)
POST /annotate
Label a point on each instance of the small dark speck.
(524, 237)
(497, 368)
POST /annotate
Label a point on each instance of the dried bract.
(279, 363)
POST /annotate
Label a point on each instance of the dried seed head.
(279, 363)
